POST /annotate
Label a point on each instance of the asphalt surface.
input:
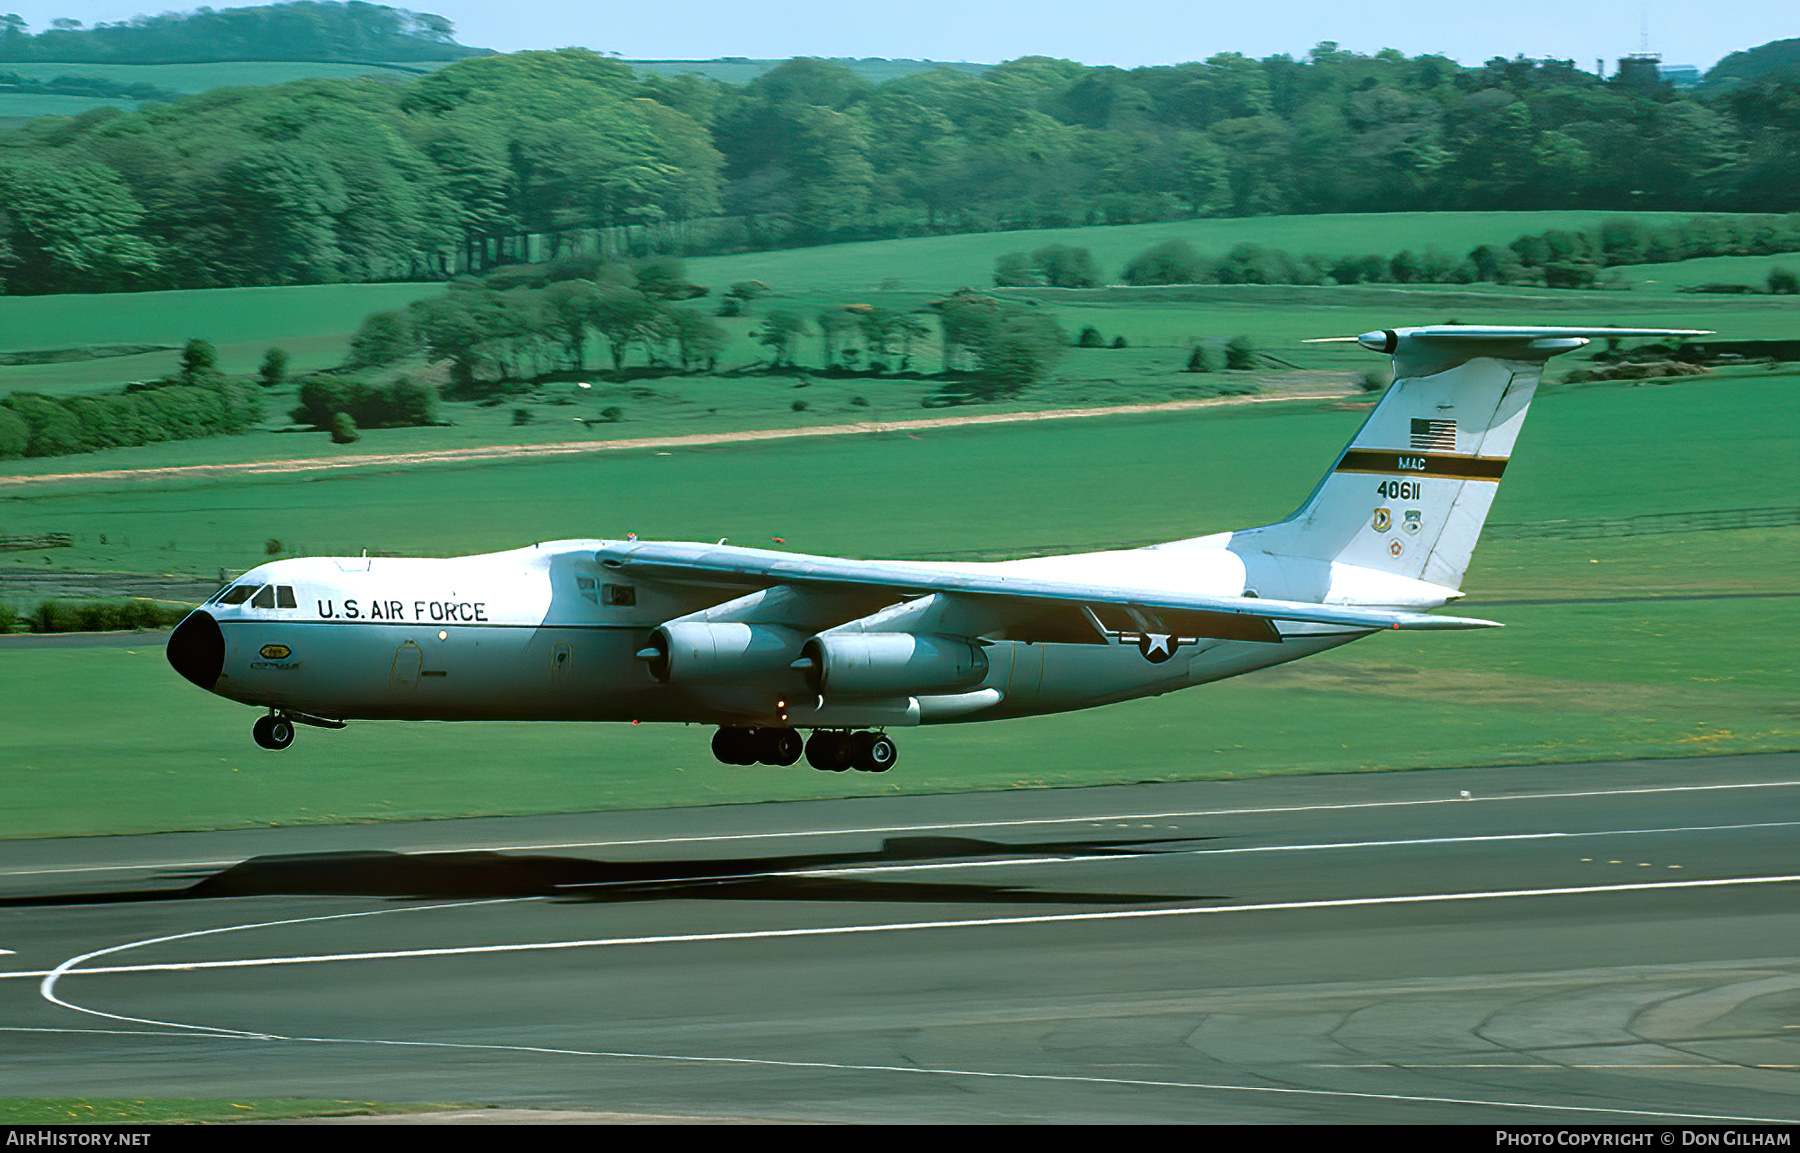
(1615, 944)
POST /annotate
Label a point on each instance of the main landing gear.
(831, 750)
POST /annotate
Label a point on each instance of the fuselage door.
(409, 659)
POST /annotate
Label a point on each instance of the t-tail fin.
(1409, 495)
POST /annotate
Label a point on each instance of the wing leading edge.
(742, 567)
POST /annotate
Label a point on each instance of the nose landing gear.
(273, 732)
(276, 731)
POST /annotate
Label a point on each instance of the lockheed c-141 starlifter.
(766, 644)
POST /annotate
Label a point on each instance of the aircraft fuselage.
(547, 633)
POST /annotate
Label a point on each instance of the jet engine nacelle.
(698, 652)
(890, 664)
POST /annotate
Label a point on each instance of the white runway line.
(1134, 855)
(1129, 855)
(1022, 822)
(68, 968)
(1114, 818)
(47, 989)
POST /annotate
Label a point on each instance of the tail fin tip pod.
(1409, 495)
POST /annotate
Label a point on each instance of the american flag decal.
(1434, 435)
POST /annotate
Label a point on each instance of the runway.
(1614, 944)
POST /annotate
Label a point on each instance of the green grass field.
(225, 316)
(315, 323)
(20, 108)
(1751, 270)
(312, 323)
(1669, 645)
(17, 108)
(1623, 661)
(943, 263)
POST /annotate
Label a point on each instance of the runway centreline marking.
(1140, 855)
(68, 968)
(1020, 822)
(1159, 816)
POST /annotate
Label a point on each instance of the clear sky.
(1127, 33)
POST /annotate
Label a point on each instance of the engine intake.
(890, 664)
(695, 652)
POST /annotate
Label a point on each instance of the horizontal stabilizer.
(1531, 338)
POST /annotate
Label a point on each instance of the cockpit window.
(284, 597)
(265, 598)
(238, 595)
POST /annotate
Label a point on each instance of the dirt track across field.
(575, 448)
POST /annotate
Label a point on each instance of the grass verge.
(187, 1111)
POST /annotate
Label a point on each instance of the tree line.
(530, 321)
(298, 30)
(523, 321)
(94, 86)
(196, 401)
(531, 156)
(1557, 258)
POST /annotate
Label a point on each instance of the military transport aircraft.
(764, 644)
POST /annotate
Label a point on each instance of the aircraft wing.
(1239, 618)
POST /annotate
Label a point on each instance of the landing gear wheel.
(828, 751)
(874, 752)
(273, 732)
(778, 746)
(735, 746)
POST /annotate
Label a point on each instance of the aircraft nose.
(197, 649)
